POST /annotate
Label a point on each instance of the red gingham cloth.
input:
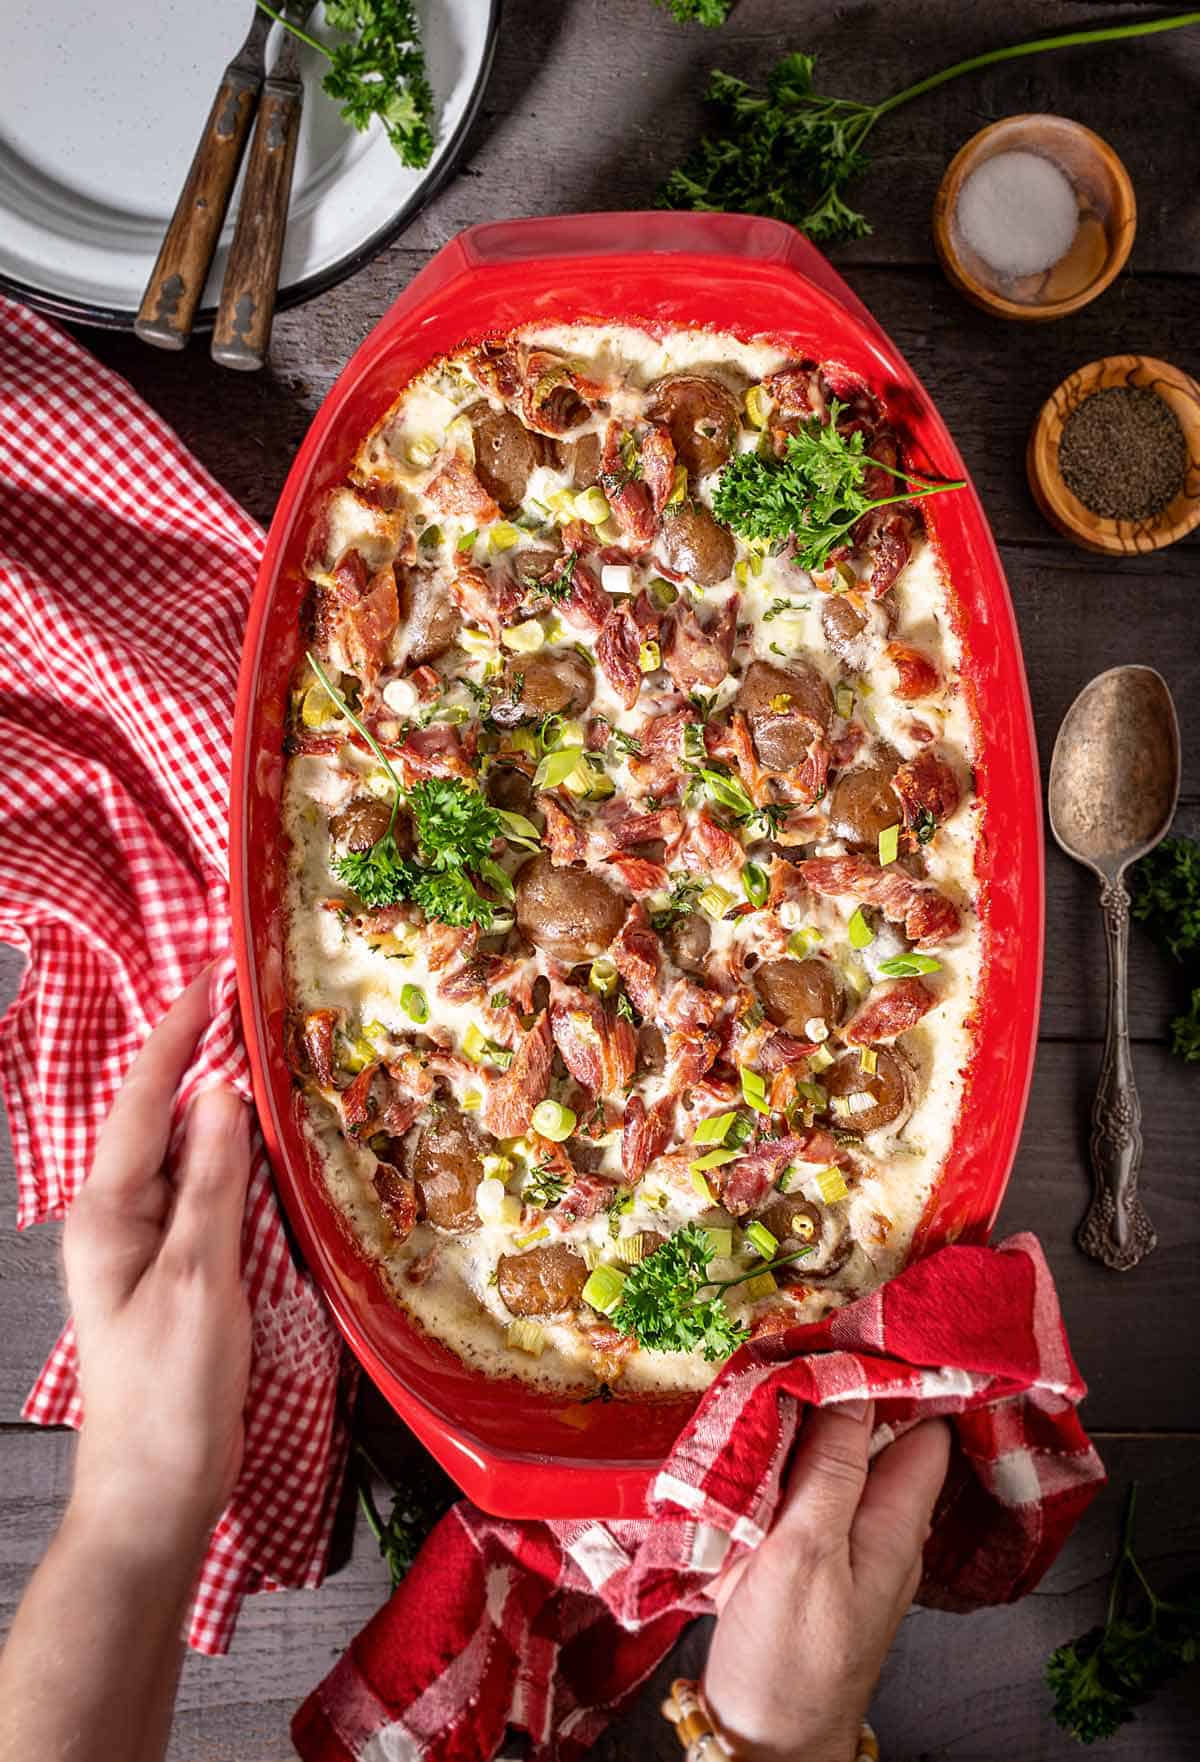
(551, 1627)
(125, 574)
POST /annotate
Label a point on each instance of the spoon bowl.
(1114, 784)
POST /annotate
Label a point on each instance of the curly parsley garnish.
(378, 71)
(1166, 898)
(814, 495)
(663, 1303)
(1101, 1678)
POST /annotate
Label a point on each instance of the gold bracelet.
(687, 1710)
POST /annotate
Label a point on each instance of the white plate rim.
(74, 311)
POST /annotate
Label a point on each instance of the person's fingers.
(893, 1519)
(827, 1475)
(133, 1140)
(210, 1183)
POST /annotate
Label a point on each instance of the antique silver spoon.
(1114, 782)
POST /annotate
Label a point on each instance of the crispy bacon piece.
(645, 1134)
(657, 455)
(809, 781)
(315, 1050)
(847, 747)
(554, 397)
(639, 874)
(436, 751)
(587, 605)
(664, 823)
(689, 1005)
(351, 578)
(732, 742)
(691, 1054)
(708, 846)
(744, 1184)
(442, 942)
(796, 390)
(358, 1103)
(564, 838)
(510, 1099)
(599, 1050)
(887, 534)
(477, 978)
(889, 1011)
(695, 654)
(397, 1199)
(628, 497)
(927, 916)
(617, 652)
(917, 675)
(497, 368)
(637, 954)
(927, 787)
(658, 768)
(310, 740)
(784, 1049)
(878, 479)
(363, 626)
(589, 1195)
(787, 884)
(426, 682)
(455, 489)
(475, 596)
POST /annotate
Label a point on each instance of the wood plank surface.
(589, 105)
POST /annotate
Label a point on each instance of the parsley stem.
(753, 1272)
(294, 28)
(1068, 40)
(333, 692)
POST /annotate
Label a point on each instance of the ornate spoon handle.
(1116, 1230)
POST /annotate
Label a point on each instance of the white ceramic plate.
(101, 107)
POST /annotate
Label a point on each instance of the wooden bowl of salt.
(1034, 217)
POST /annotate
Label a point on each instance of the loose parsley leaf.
(706, 12)
(1101, 1678)
(781, 605)
(379, 71)
(814, 495)
(1166, 898)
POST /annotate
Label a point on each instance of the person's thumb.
(828, 1472)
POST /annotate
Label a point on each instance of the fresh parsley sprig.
(706, 12)
(664, 1305)
(418, 1504)
(1166, 898)
(1100, 1679)
(789, 151)
(814, 495)
(378, 71)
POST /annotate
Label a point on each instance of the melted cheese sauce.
(448, 1282)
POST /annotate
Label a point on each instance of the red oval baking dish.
(513, 1449)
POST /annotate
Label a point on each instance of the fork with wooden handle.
(242, 332)
(168, 309)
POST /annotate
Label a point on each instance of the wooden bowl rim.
(1063, 508)
(1124, 220)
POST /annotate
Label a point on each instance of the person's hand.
(162, 1323)
(805, 1622)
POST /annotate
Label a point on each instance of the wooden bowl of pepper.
(1114, 457)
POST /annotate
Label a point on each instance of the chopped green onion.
(526, 1336)
(430, 538)
(754, 1090)
(761, 1285)
(722, 1243)
(519, 830)
(524, 639)
(802, 942)
(552, 1120)
(592, 506)
(788, 1179)
(820, 1060)
(756, 884)
(630, 1249)
(557, 766)
(844, 701)
(907, 966)
(832, 1184)
(503, 536)
(476, 642)
(762, 1239)
(889, 845)
(662, 593)
(712, 1159)
(414, 1003)
(652, 1197)
(728, 792)
(498, 1167)
(317, 708)
(538, 1235)
(860, 932)
(472, 1101)
(500, 879)
(650, 657)
(813, 1093)
(868, 1060)
(693, 741)
(603, 1289)
(715, 901)
(466, 544)
(679, 486)
(700, 1185)
(603, 977)
(713, 1129)
(757, 406)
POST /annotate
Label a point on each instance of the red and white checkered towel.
(551, 1627)
(125, 573)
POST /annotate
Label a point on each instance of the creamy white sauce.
(331, 966)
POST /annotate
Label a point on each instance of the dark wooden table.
(590, 103)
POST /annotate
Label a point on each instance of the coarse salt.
(1018, 212)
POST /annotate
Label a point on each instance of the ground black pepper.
(1123, 453)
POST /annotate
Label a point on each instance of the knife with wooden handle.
(168, 309)
(242, 332)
